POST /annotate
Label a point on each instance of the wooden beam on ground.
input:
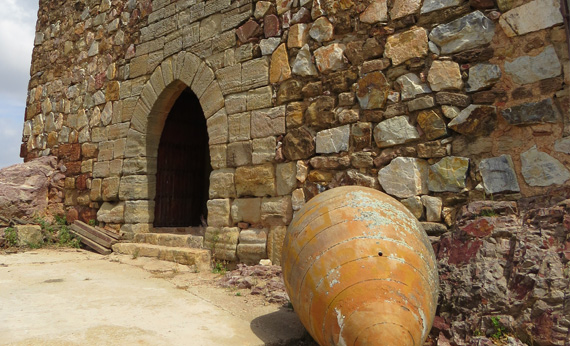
(94, 233)
(96, 238)
(103, 241)
(100, 249)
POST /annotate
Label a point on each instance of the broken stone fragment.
(432, 124)
(563, 145)
(432, 149)
(531, 113)
(298, 36)
(445, 75)
(317, 9)
(330, 162)
(303, 66)
(322, 30)
(372, 90)
(453, 99)
(376, 12)
(482, 76)
(302, 171)
(283, 6)
(361, 134)
(330, 58)
(421, 103)
(404, 177)
(540, 169)
(269, 45)
(448, 174)
(406, 45)
(298, 144)
(301, 16)
(470, 31)
(498, 174)
(248, 31)
(434, 5)
(530, 69)
(532, 16)
(475, 120)
(290, 90)
(433, 208)
(414, 205)
(333, 140)
(319, 114)
(450, 112)
(280, 69)
(271, 26)
(394, 131)
(410, 86)
(298, 199)
(404, 8)
(355, 177)
(261, 9)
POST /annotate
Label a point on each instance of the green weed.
(60, 220)
(500, 330)
(488, 212)
(34, 245)
(219, 268)
(66, 238)
(11, 236)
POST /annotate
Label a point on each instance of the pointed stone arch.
(158, 95)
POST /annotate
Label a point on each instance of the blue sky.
(17, 30)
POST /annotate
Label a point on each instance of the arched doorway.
(183, 166)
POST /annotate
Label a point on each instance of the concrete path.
(74, 297)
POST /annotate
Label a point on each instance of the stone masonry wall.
(435, 102)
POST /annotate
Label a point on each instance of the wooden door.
(183, 166)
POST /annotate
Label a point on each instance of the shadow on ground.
(278, 326)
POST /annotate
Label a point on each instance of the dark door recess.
(183, 163)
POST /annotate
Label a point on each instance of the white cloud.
(17, 31)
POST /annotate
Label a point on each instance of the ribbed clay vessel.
(360, 270)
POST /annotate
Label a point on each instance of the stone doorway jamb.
(176, 73)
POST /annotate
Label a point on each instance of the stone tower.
(176, 114)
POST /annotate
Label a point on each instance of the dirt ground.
(76, 297)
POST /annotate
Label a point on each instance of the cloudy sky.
(17, 30)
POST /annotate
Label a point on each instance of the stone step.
(201, 258)
(171, 240)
